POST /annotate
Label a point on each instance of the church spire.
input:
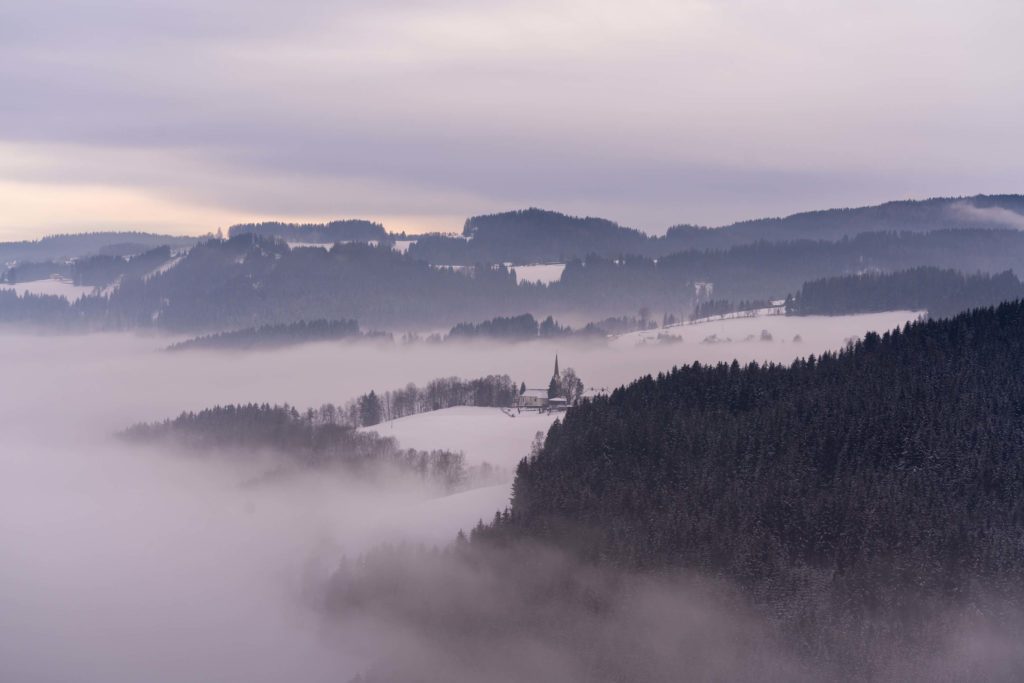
(556, 365)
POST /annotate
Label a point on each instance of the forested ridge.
(894, 466)
(271, 336)
(940, 292)
(63, 247)
(537, 235)
(310, 439)
(254, 279)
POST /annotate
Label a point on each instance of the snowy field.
(55, 286)
(545, 273)
(741, 335)
(490, 435)
(327, 245)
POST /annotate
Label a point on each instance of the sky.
(184, 116)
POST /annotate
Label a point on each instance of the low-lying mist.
(125, 562)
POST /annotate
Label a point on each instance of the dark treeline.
(269, 336)
(525, 328)
(50, 311)
(310, 439)
(30, 271)
(517, 328)
(941, 292)
(529, 236)
(493, 391)
(706, 309)
(335, 231)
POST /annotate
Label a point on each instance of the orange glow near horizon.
(34, 210)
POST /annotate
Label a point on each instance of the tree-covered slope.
(980, 212)
(335, 231)
(940, 292)
(251, 281)
(535, 235)
(60, 247)
(893, 468)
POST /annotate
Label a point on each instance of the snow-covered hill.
(493, 435)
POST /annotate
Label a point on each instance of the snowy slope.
(55, 286)
(544, 273)
(483, 434)
(731, 334)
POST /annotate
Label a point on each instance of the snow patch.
(159, 270)
(52, 286)
(544, 273)
(497, 436)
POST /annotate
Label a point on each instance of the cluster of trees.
(565, 384)
(310, 439)
(30, 271)
(707, 309)
(516, 328)
(529, 236)
(941, 292)
(493, 391)
(335, 231)
(882, 482)
(269, 336)
(53, 312)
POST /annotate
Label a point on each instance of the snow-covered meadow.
(544, 273)
(53, 286)
(486, 435)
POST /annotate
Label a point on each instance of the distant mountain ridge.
(536, 235)
(60, 247)
(980, 212)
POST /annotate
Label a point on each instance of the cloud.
(655, 114)
(989, 214)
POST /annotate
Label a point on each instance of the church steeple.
(555, 386)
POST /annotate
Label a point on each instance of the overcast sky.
(188, 115)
